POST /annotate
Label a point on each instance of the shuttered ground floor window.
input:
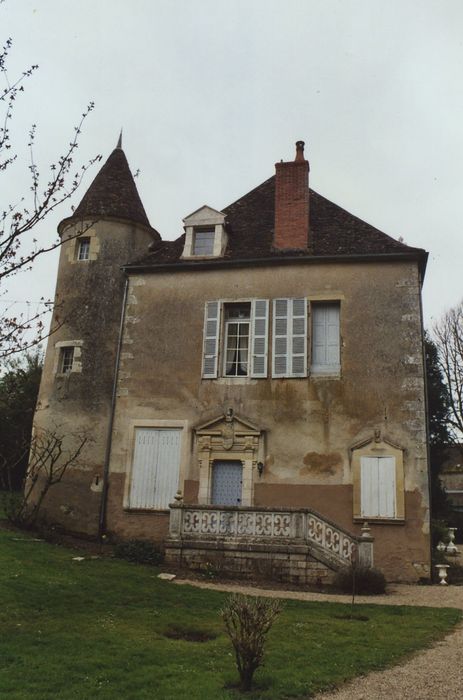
(378, 487)
(155, 468)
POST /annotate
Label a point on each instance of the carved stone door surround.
(228, 437)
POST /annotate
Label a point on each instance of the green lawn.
(96, 629)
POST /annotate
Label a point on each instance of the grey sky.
(211, 93)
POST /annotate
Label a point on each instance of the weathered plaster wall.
(310, 423)
(88, 305)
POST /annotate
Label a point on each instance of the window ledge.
(335, 374)
(146, 511)
(201, 257)
(378, 521)
(233, 381)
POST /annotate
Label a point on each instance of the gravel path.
(433, 674)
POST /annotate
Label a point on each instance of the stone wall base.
(288, 563)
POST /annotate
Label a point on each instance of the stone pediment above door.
(229, 432)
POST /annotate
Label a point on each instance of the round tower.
(108, 229)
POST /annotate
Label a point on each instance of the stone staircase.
(287, 544)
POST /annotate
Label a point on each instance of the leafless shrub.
(247, 621)
(49, 459)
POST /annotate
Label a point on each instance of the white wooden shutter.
(369, 486)
(387, 487)
(298, 346)
(378, 487)
(280, 338)
(155, 469)
(259, 337)
(211, 339)
(325, 338)
(289, 338)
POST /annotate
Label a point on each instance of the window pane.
(203, 242)
(84, 249)
(237, 349)
(66, 360)
(239, 311)
(236, 339)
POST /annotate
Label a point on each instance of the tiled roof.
(113, 193)
(250, 224)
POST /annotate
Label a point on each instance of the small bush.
(211, 570)
(140, 551)
(247, 621)
(439, 532)
(361, 580)
(455, 574)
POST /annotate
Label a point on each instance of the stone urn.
(442, 569)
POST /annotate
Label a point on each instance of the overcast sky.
(211, 93)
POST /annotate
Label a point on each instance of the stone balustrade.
(273, 526)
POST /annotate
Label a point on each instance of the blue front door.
(227, 479)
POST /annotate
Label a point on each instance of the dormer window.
(205, 235)
(203, 241)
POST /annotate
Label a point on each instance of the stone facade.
(302, 441)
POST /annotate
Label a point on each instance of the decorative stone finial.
(366, 531)
(178, 497)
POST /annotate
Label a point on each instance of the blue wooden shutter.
(259, 337)
(211, 339)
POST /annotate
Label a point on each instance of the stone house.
(253, 391)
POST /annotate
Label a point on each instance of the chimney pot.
(300, 150)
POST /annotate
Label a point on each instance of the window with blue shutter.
(325, 338)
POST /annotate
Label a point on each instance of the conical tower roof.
(113, 194)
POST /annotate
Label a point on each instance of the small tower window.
(203, 242)
(66, 360)
(83, 250)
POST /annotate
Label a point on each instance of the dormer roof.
(203, 216)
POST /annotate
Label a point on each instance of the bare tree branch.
(448, 336)
(18, 248)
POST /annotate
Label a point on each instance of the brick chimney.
(292, 203)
